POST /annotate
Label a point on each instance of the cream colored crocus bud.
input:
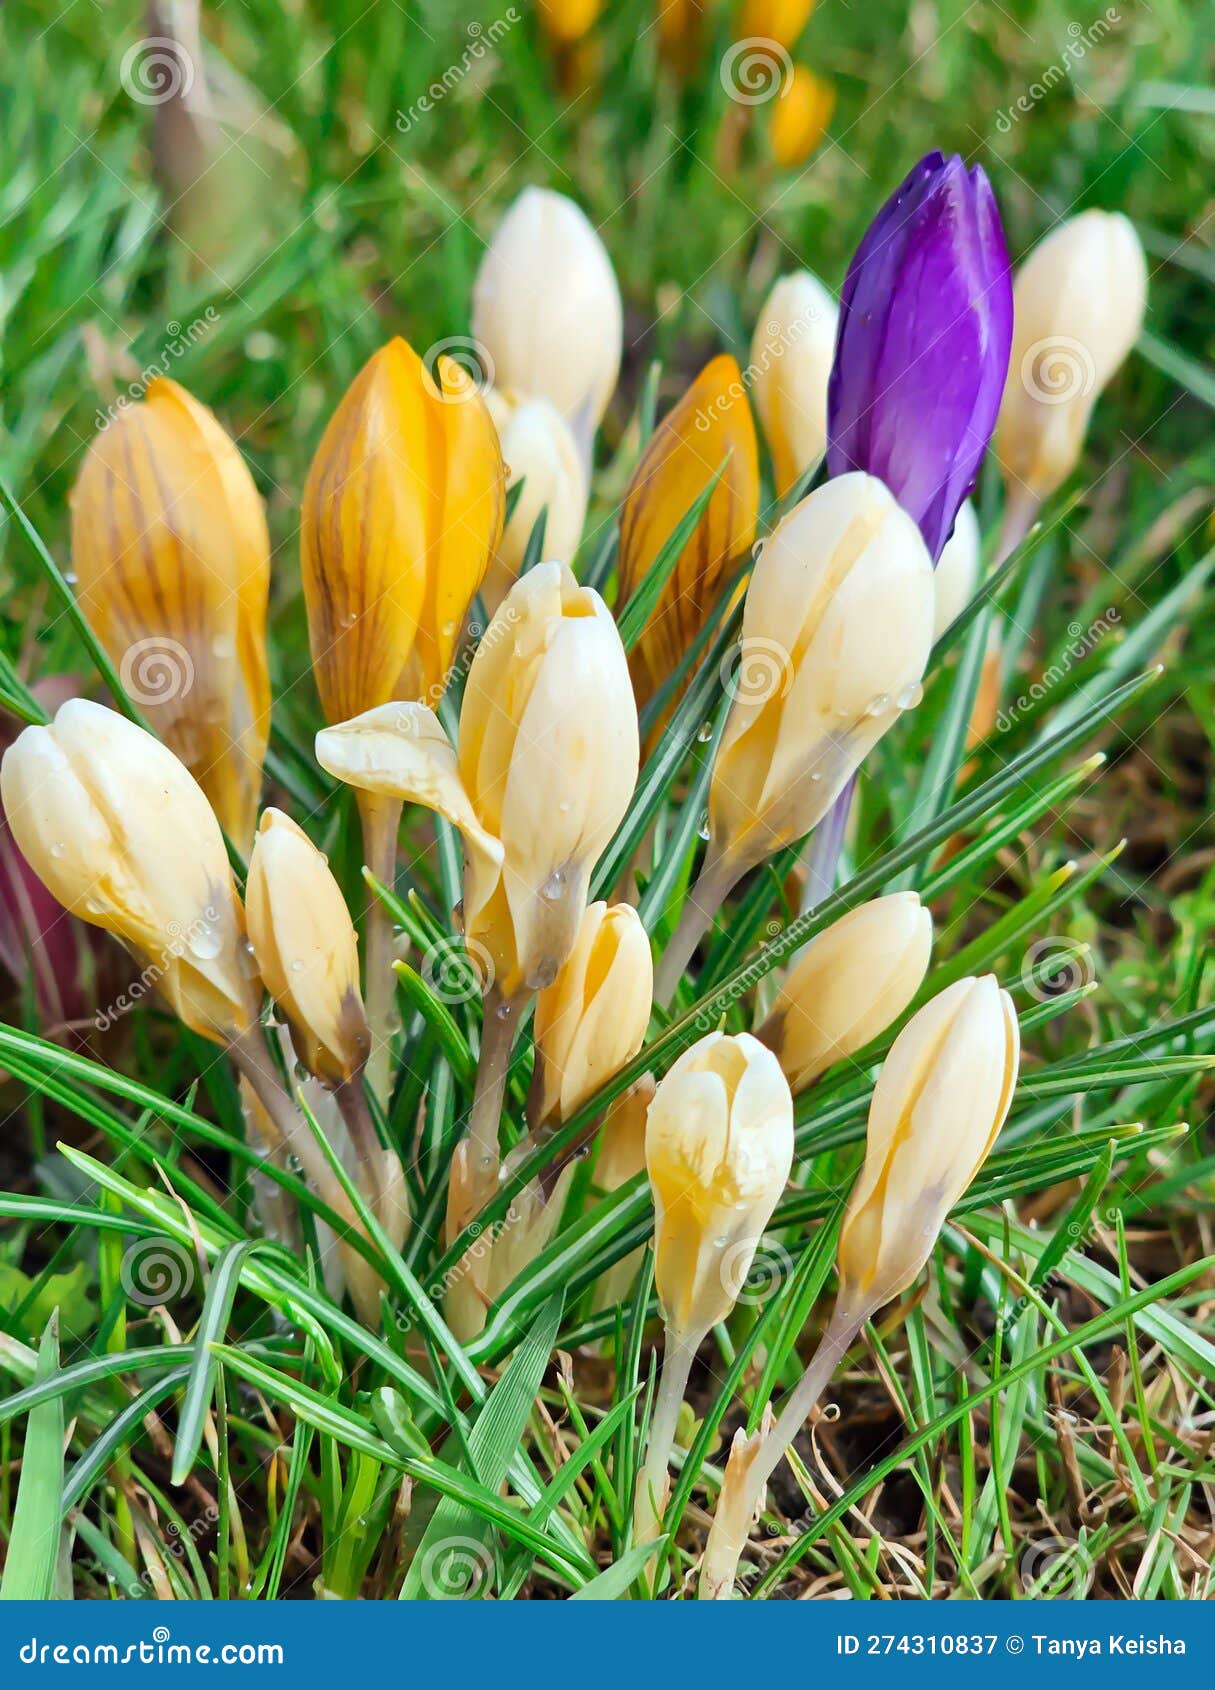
(718, 1149)
(305, 945)
(1078, 305)
(540, 451)
(957, 574)
(593, 1017)
(848, 985)
(791, 356)
(121, 833)
(942, 1096)
(546, 309)
(837, 630)
(547, 761)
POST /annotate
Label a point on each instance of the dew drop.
(910, 696)
(203, 943)
(703, 825)
(554, 886)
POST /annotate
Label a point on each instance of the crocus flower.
(923, 346)
(540, 451)
(172, 561)
(791, 354)
(118, 830)
(709, 429)
(1080, 298)
(546, 309)
(800, 115)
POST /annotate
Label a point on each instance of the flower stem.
(720, 1563)
(380, 818)
(650, 1498)
(473, 1178)
(714, 884)
(353, 1107)
(253, 1061)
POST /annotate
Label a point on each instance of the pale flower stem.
(380, 818)
(679, 1351)
(720, 1564)
(352, 1105)
(498, 1027)
(1020, 512)
(253, 1061)
(716, 881)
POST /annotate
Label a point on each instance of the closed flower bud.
(547, 762)
(781, 21)
(925, 330)
(593, 1017)
(958, 570)
(837, 631)
(719, 1146)
(547, 310)
(304, 942)
(711, 426)
(1079, 301)
(119, 831)
(791, 357)
(540, 451)
(938, 1106)
(848, 985)
(402, 511)
(800, 115)
(172, 561)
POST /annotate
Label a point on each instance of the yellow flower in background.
(681, 34)
(781, 21)
(402, 511)
(305, 945)
(719, 1146)
(593, 1017)
(172, 563)
(567, 21)
(800, 115)
(709, 427)
(547, 762)
(118, 830)
(792, 351)
(539, 450)
(848, 985)
(942, 1096)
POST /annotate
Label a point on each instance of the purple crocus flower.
(922, 350)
